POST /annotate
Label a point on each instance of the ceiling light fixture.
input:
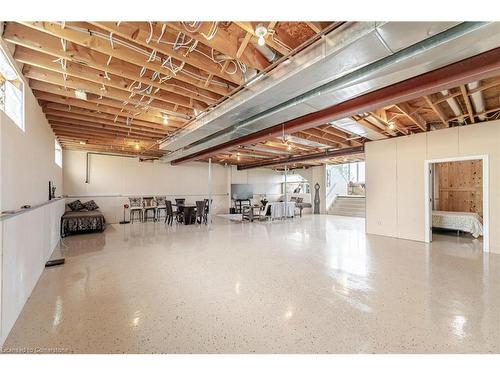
(165, 119)
(289, 148)
(392, 125)
(83, 142)
(137, 146)
(261, 32)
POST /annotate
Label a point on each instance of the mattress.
(469, 222)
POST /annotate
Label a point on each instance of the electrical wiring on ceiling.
(173, 68)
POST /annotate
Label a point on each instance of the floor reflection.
(316, 284)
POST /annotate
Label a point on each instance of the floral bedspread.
(82, 221)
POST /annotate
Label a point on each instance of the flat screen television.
(241, 191)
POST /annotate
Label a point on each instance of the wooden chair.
(169, 215)
(160, 205)
(149, 206)
(136, 208)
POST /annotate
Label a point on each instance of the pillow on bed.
(76, 205)
(90, 206)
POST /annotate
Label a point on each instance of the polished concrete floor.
(311, 285)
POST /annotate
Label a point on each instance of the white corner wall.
(27, 164)
(395, 202)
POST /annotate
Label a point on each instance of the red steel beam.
(475, 68)
(297, 159)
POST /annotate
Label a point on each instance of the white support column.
(286, 193)
(209, 218)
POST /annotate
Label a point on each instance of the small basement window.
(58, 154)
(11, 91)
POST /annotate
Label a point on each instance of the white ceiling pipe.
(268, 53)
(249, 74)
(477, 99)
(452, 102)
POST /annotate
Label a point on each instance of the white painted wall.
(26, 166)
(265, 181)
(395, 177)
(338, 184)
(28, 242)
(27, 158)
(113, 179)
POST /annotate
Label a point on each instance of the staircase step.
(353, 206)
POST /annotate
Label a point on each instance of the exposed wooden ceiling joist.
(52, 100)
(137, 33)
(412, 114)
(224, 42)
(43, 61)
(51, 46)
(468, 104)
(437, 110)
(81, 113)
(106, 91)
(48, 88)
(116, 50)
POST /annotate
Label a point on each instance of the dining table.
(189, 212)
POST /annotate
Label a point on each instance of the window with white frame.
(354, 172)
(11, 91)
(58, 153)
(296, 184)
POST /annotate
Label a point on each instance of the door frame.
(486, 195)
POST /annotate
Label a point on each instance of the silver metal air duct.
(477, 99)
(349, 62)
(268, 53)
(452, 102)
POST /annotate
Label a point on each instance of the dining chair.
(179, 213)
(201, 216)
(169, 214)
(136, 208)
(208, 206)
(149, 206)
(160, 206)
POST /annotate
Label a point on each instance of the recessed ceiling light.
(83, 142)
(81, 94)
(165, 119)
(392, 126)
(137, 146)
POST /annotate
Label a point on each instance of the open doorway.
(345, 189)
(457, 200)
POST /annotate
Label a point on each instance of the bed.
(469, 222)
(73, 222)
